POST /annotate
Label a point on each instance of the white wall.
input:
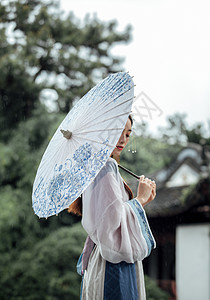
(193, 262)
(185, 175)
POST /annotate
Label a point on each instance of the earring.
(133, 143)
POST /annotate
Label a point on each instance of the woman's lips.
(119, 148)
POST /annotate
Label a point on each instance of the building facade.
(179, 215)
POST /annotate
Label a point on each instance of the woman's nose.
(123, 138)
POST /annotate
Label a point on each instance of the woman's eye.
(127, 135)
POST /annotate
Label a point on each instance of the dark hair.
(131, 120)
(76, 207)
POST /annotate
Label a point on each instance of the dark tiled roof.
(163, 176)
(175, 200)
(171, 201)
(167, 202)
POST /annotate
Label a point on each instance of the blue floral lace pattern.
(143, 224)
(69, 181)
(106, 89)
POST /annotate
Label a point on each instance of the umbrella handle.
(128, 171)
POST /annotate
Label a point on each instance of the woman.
(119, 237)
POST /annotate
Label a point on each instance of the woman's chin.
(116, 154)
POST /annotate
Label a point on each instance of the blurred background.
(51, 54)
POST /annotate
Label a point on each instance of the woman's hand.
(146, 190)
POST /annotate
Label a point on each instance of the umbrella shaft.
(128, 171)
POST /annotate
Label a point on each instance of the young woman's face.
(123, 140)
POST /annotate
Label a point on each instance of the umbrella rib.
(101, 103)
(104, 102)
(99, 116)
(114, 98)
(101, 143)
(60, 146)
(73, 140)
(52, 155)
(118, 87)
(101, 122)
(111, 87)
(119, 104)
(119, 97)
(99, 130)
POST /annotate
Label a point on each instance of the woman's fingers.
(142, 177)
(146, 190)
(153, 192)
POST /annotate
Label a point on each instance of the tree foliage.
(153, 292)
(151, 154)
(44, 54)
(48, 270)
(178, 131)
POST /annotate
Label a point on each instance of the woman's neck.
(116, 157)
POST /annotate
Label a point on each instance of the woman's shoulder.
(111, 165)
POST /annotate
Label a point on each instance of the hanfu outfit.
(119, 238)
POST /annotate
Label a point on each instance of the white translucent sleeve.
(120, 229)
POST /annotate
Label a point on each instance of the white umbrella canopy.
(92, 129)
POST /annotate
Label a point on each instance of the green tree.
(48, 270)
(46, 55)
(153, 292)
(151, 155)
(178, 131)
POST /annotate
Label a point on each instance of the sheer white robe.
(117, 226)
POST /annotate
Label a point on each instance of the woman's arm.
(120, 229)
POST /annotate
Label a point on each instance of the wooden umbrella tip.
(66, 133)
